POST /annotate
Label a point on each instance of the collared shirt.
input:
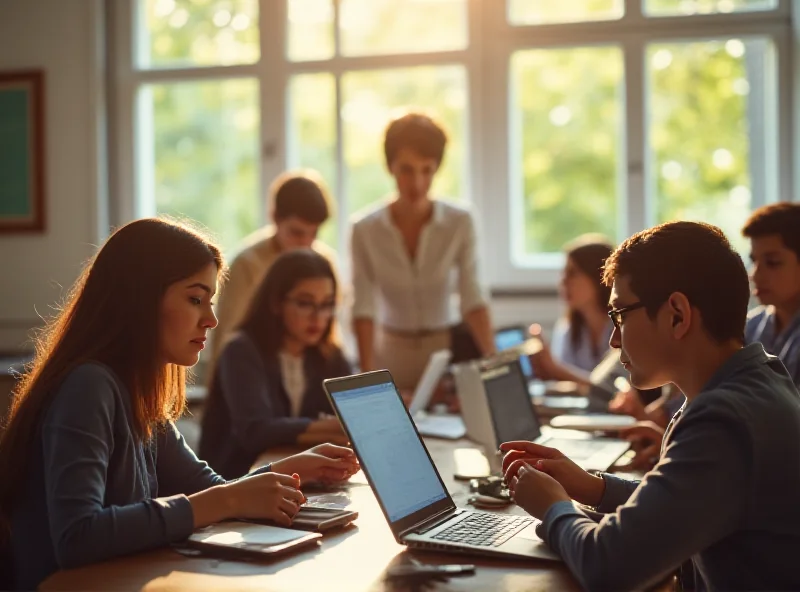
(415, 294)
(786, 344)
(586, 355)
(724, 493)
(259, 251)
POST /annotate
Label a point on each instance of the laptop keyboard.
(484, 529)
(574, 449)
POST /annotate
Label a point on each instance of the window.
(563, 117)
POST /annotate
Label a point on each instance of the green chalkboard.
(15, 154)
(21, 150)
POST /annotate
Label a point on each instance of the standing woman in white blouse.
(409, 257)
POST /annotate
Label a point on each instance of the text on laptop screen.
(509, 338)
(402, 474)
(510, 404)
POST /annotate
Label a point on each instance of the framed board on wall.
(22, 151)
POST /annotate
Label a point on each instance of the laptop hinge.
(432, 522)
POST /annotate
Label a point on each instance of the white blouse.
(294, 380)
(415, 295)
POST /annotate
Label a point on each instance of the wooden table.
(354, 559)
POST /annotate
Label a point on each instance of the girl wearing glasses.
(266, 388)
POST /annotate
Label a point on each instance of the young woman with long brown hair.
(92, 465)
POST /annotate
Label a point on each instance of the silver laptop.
(437, 425)
(497, 408)
(410, 491)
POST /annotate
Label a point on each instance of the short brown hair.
(415, 131)
(782, 219)
(692, 258)
(301, 194)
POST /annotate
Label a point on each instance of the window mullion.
(273, 83)
(635, 214)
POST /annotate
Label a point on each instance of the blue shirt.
(95, 491)
(585, 355)
(786, 344)
(724, 493)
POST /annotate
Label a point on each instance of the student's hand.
(271, 496)
(646, 437)
(326, 463)
(532, 490)
(579, 485)
(628, 403)
(545, 367)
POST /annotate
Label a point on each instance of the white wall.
(63, 38)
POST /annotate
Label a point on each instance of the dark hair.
(302, 194)
(692, 258)
(782, 219)
(415, 131)
(589, 253)
(111, 316)
(263, 323)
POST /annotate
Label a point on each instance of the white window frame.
(491, 42)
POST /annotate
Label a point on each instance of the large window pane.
(310, 30)
(565, 146)
(543, 12)
(312, 133)
(372, 27)
(689, 7)
(372, 98)
(199, 154)
(198, 32)
(700, 132)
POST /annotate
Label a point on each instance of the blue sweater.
(725, 493)
(247, 410)
(92, 490)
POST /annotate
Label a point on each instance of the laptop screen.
(389, 448)
(510, 404)
(506, 338)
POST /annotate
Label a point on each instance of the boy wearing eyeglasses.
(774, 233)
(724, 491)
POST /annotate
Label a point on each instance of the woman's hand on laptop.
(326, 463)
(270, 496)
(579, 485)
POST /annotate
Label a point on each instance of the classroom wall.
(63, 38)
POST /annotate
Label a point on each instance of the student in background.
(724, 492)
(267, 385)
(299, 204)
(409, 256)
(774, 233)
(580, 338)
(92, 465)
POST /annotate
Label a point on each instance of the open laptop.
(508, 337)
(436, 425)
(497, 408)
(409, 489)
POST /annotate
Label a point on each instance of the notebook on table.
(249, 540)
(409, 489)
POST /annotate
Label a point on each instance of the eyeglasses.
(615, 314)
(307, 308)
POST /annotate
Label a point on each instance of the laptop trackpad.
(529, 533)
